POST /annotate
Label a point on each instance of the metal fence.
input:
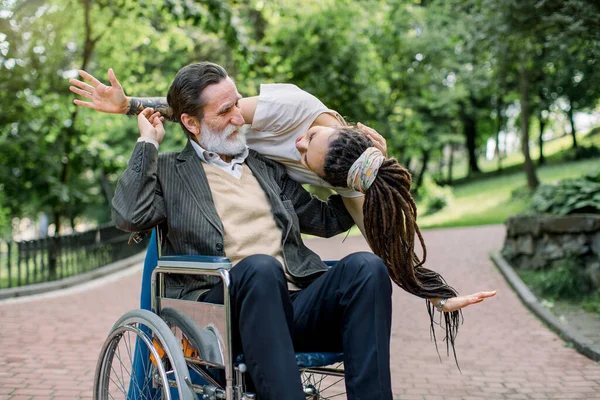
(52, 258)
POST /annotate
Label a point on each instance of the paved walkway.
(49, 345)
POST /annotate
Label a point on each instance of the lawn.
(489, 201)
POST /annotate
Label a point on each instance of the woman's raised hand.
(456, 303)
(108, 99)
(378, 140)
(150, 125)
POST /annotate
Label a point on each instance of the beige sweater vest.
(249, 225)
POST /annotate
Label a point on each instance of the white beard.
(219, 141)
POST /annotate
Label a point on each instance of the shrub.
(570, 196)
(564, 280)
(433, 196)
(582, 152)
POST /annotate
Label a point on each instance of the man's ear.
(192, 124)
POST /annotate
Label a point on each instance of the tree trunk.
(571, 115)
(53, 247)
(450, 163)
(499, 125)
(541, 159)
(470, 132)
(424, 162)
(532, 180)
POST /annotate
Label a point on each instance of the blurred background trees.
(460, 89)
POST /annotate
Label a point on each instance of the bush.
(570, 196)
(565, 280)
(433, 196)
(592, 302)
(581, 152)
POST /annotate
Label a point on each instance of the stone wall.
(540, 241)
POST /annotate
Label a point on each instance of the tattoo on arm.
(159, 104)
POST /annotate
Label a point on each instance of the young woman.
(317, 146)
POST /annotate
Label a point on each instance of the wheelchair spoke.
(333, 384)
(121, 366)
(331, 397)
(122, 389)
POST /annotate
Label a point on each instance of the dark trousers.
(347, 309)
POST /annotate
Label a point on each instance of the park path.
(49, 344)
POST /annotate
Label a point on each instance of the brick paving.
(49, 345)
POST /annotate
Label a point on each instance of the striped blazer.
(171, 190)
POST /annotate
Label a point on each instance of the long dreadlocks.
(390, 216)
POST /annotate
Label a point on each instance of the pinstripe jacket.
(171, 190)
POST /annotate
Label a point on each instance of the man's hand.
(378, 140)
(150, 125)
(456, 303)
(108, 99)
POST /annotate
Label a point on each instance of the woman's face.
(313, 147)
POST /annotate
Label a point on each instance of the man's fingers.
(146, 112)
(95, 82)
(86, 104)
(80, 92)
(156, 114)
(81, 85)
(113, 79)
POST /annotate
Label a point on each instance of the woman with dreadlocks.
(317, 146)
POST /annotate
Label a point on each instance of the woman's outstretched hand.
(456, 303)
(150, 125)
(108, 99)
(378, 140)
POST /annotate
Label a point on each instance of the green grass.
(489, 201)
(562, 286)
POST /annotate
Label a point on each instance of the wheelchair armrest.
(188, 261)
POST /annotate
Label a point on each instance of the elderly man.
(217, 197)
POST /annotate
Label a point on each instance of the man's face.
(221, 126)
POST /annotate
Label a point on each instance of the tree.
(64, 157)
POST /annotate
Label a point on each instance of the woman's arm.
(354, 205)
(459, 302)
(112, 99)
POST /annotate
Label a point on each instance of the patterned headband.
(364, 170)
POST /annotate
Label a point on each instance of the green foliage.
(433, 196)
(570, 196)
(565, 280)
(591, 302)
(582, 152)
(424, 74)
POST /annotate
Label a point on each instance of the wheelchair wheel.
(195, 339)
(200, 348)
(141, 359)
(324, 383)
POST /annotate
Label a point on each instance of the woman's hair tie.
(363, 172)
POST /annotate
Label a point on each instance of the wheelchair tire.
(203, 340)
(159, 364)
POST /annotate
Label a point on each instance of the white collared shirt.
(234, 167)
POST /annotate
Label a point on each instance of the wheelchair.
(178, 349)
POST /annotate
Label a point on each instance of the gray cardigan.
(171, 190)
